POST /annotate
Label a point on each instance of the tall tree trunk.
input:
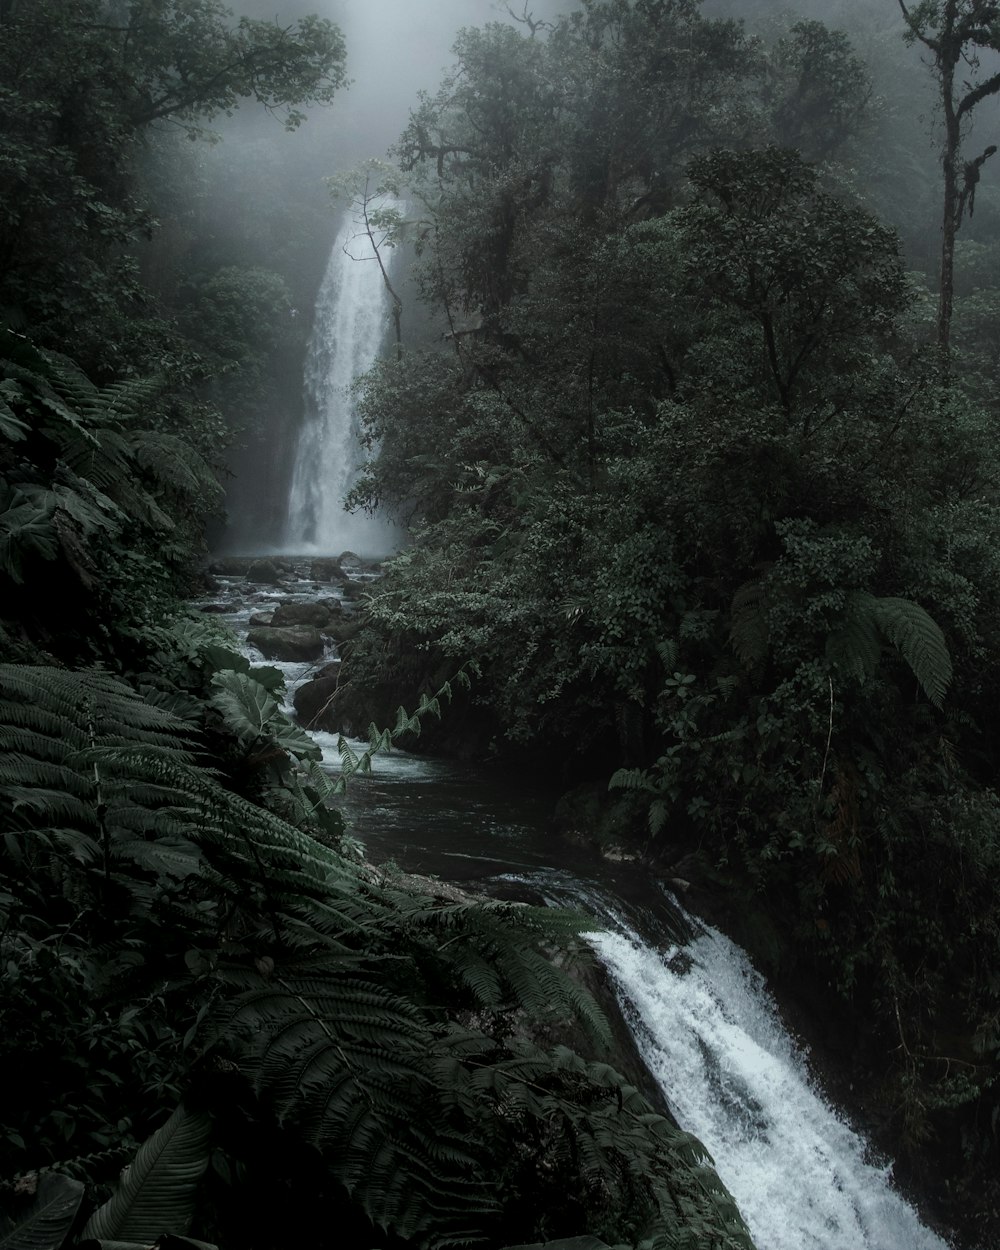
(950, 208)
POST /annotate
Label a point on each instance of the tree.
(80, 86)
(372, 193)
(955, 32)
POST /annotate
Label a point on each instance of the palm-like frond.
(101, 476)
(856, 646)
(157, 1191)
(334, 993)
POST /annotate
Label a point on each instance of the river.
(701, 1016)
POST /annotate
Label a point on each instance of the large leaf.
(25, 529)
(156, 1192)
(166, 1242)
(12, 427)
(43, 1225)
(251, 713)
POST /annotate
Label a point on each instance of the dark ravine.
(435, 797)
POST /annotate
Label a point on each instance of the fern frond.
(856, 647)
(630, 779)
(173, 462)
(749, 632)
(920, 642)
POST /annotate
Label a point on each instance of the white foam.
(710, 1034)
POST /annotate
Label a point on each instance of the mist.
(395, 49)
(262, 178)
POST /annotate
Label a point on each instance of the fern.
(920, 642)
(334, 994)
(749, 632)
(856, 647)
(106, 476)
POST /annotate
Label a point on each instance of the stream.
(702, 1017)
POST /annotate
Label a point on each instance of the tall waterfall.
(710, 1034)
(350, 327)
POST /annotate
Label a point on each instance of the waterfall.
(351, 322)
(710, 1034)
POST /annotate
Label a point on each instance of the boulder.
(265, 571)
(216, 607)
(327, 571)
(231, 566)
(293, 642)
(342, 630)
(313, 614)
(260, 619)
(313, 703)
(348, 560)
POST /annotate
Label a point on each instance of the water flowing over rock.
(700, 1016)
(709, 1032)
(352, 319)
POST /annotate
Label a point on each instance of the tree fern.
(920, 642)
(100, 474)
(375, 1022)
(869, 621)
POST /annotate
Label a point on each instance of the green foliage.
(47, 1221)
(83, 474)
(79, 94)
(379, 1024)
(157, 1190)
(252, 715)
(683, 487)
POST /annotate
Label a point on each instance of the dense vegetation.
(713, 502)
(197, 974)
(691, 475)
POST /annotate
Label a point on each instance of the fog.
(395, 49)
(398, 48)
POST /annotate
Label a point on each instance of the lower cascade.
(709, 1032)
(701, 1016)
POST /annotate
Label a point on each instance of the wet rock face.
(312, 614)
(264, 571)
(293, 642)
(314, 702)
(343, 629)
(327, 571)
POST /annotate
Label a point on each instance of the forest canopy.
(693, 484)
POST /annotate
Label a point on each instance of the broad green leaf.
(252, 714)
(156, 1192)
(44, 1224)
